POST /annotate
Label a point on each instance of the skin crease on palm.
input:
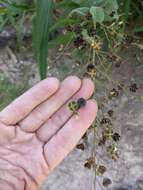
(37, 131)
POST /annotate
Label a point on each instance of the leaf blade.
(97, 14)
(41, 25)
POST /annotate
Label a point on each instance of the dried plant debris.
(74, 28)
(102, 141)
(85, 136)
(80, 146)
(79, 42)
(100, 169)
(116, 137)
(81, 102)
(112, 151)
(113, 93)
(110, 113)
(105, 120)
(106, 182)
(89, 163)
(133, 87)
(74, 106)
(91, 71)
(120, 86)
(108, 133)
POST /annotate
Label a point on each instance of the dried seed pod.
(116, 137)
(73, 106)
(120, 86)
(90, 67)
(84, 137)
(81, 102)
(113, 151)
(133, 87)
(112, 13)
(118, 64)
(79, 42)
(77, 29)
(115, 156)
(114, 93)
(108, 133)
(89, 163)
(91, 71)
(102, 141)
(106, 120)
(101, 170)
(110, 113)
(80, 146)
(106, 182)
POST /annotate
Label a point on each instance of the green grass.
(41, 25)
(8, 91)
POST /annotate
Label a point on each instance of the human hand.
(37, 131)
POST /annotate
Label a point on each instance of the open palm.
(38, 130)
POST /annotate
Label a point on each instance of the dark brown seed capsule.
(79, 42)
(133, 87)
(81, 102)
(89, 163)
(84, 137)
(77, 29)
(105, 120)
(101, 169)
(91, 71)
(90, 67)
(106, 182)
(110, 113)
(116, 137)
(114, 93)
(80, 146)
(112, 13)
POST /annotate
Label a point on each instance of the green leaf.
(66, 5)
(127, 10)
(111, 18)
(97, 14)
(98, 2)
(86, 36)
(41, 25)
(139, 29)
(62, 39)
(80, 11)
(110, 6)
(63, 22)
(15, 8)
(85, 3)
(3, 10)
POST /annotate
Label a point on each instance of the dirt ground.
(127, 172)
